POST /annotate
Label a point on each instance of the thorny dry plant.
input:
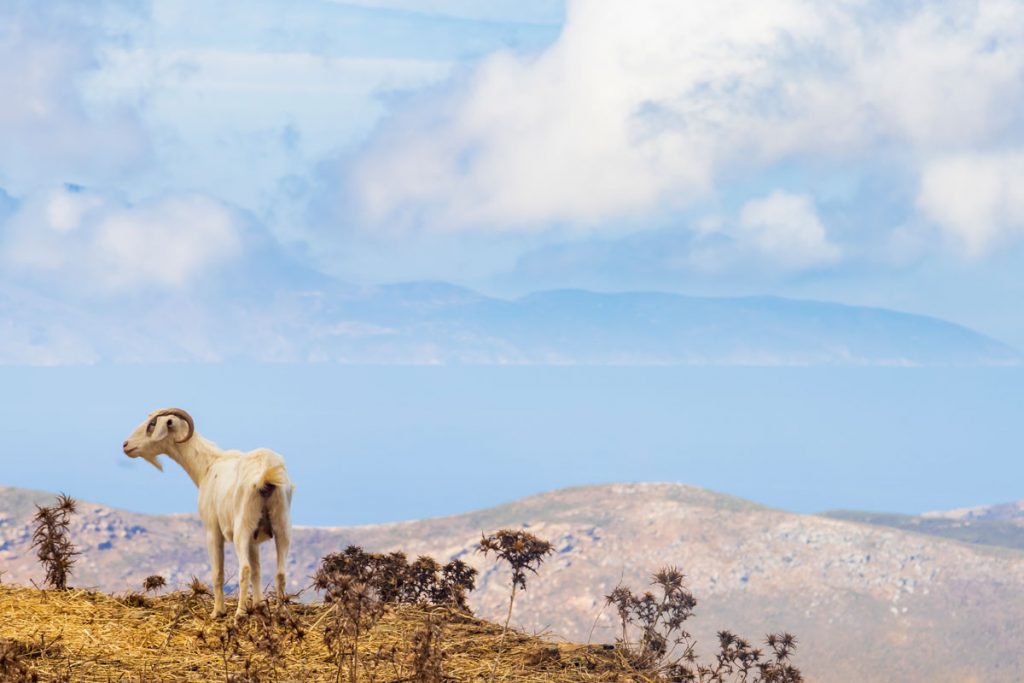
(658, 619)
(737, 660)
(427, 656)
(134, 599)
(520, 549)
(351, 583)
(259, 638)
(357, 585)
(523, 552)
(13, 666)
(421, 582)
(153, 583)
(665, 649)
(150, 585)
(197, 590)
(15, 656)
(51, 542)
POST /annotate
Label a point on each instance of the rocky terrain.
(868, 602)
(997, 525)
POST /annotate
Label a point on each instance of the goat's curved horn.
(184, 416)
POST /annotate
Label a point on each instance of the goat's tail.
(275, 476)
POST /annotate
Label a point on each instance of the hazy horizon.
(391, 443)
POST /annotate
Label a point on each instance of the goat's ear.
(164, 424)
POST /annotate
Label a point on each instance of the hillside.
(88, 636)
(868, 603)
(432, 323)
(994, 530)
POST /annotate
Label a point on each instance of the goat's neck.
(195, 457)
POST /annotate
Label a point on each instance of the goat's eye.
(150, 426)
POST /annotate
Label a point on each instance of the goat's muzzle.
(128, 450)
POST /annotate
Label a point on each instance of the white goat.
(243, 497)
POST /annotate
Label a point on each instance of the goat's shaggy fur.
(244, 498)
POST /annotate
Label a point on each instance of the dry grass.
(81, 635)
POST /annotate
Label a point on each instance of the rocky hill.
(869, 603)
(997, 525)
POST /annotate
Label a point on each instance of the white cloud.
(976, 198)
(537, 11)
(89, 242)
(65, 209)
(786, 229)
(639, 107)
(47, 131)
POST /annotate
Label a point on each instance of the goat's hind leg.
(243, 541)
(281, 543)
(215, 547)
(254, 562)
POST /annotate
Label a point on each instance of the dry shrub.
(352, 583)
(657, 620)
(260, 639)
(357, 586)
(654, 641)
(426, 651)
(395, 580)
(14, 666)
(523, 552)
(50, 539)
(193, 597)
(153, 583)
(137, 600)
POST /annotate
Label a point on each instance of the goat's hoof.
(218, 614)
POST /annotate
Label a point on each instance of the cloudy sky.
(858, 151)
(169, 168)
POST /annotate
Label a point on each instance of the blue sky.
(375, 444)
(863, 152)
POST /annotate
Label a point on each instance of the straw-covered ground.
(79, 635)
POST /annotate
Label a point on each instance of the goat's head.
(158, 432)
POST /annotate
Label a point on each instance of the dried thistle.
(422, 580)
(457, 579)
(13, 666)
(136, 600)
(663, 649)
(523, 552)
(196, 591)
(427, 656)
(153, 583)
(347, 580)
(50, 539)
(198, 588)
(657, 618)
(389, 575)
(397, 581)
(267, 629)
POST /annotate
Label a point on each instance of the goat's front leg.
(215, 546)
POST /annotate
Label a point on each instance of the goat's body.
(244, 498)
(240, 488)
